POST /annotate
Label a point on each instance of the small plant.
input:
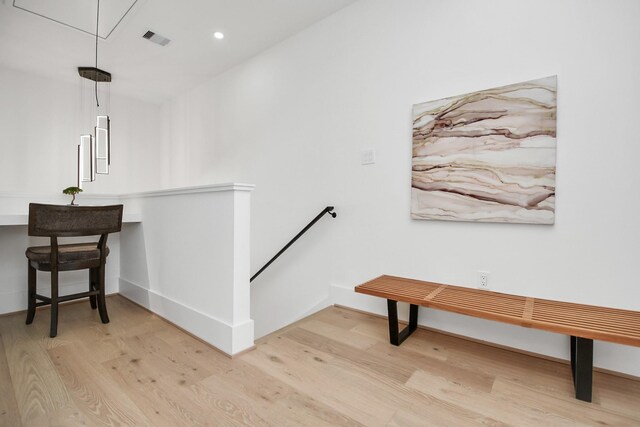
(72, 191)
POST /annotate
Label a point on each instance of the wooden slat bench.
(583, 323)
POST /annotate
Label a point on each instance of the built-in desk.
(17, 219)
(183, 253)
(14, 219)
(23, 219)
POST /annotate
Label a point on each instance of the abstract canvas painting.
(487, 156)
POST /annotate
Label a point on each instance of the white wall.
(39, 133)
(294, 119)
(188, 261)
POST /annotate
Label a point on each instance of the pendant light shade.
(94, 149)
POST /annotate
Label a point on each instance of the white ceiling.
(80, 14)
(42, 39)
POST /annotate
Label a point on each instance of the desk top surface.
(23, 219)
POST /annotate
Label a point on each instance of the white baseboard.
(349, 298)
(262, 331)
(315, 308)
(230, 339)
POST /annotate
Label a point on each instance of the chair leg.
(93, 285)
(31, 293)
(54, 304)
(102, 305)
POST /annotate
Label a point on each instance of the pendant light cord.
(96, 81)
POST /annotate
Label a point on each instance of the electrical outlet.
(368, 156)
(483, 280)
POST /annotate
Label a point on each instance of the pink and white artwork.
(487, 156)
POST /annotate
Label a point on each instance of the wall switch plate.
(368, 156)
(483, 280)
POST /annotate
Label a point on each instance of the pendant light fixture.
(94, 149)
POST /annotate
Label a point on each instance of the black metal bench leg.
(395, 336)
(582, 367)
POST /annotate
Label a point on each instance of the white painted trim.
(192, 190)
(209, 188)
(225, 337)
(81, 196)
(321, 305)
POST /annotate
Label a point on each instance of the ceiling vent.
(156, 38)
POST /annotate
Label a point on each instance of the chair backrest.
(69, 221)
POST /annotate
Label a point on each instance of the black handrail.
(327, 210)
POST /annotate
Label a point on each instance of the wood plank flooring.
(333, 368)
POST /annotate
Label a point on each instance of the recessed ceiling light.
(218, 35)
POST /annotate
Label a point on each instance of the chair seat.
(73, 252)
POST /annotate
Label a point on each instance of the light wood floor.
(333, 368)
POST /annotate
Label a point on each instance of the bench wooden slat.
(434, 293)
(580, 320)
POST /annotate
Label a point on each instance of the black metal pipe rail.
(327, 210)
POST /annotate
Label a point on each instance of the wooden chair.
(55, 221)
